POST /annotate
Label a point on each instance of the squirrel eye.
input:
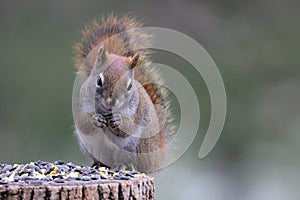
(100, 80)
(129, 84)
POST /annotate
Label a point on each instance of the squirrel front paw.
(99, 121)
(114, 121)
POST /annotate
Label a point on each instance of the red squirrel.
(123, 118)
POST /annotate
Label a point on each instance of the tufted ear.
(132, 61)
(101, 58)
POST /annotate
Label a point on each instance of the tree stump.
(142, 188)
(44, 180)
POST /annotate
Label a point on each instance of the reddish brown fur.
(116, 69)
(86, 52)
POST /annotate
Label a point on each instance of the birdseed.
(41, 172)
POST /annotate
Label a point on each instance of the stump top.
(40, 172)
(60, 180)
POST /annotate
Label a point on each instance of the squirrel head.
(114, 80)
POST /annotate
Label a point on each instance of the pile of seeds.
(40, 172)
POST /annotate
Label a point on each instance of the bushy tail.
(99, 30)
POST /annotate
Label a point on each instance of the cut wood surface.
(140, 188)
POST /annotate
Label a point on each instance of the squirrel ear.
(129, 54)
(132, 61)
(101, 57)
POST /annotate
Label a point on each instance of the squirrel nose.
(112, 102)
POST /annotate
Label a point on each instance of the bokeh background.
(255, 44)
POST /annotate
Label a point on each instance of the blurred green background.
(255, 44)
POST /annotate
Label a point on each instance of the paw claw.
(99, 121)
(115, 121)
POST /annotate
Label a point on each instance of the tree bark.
(141, 188)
